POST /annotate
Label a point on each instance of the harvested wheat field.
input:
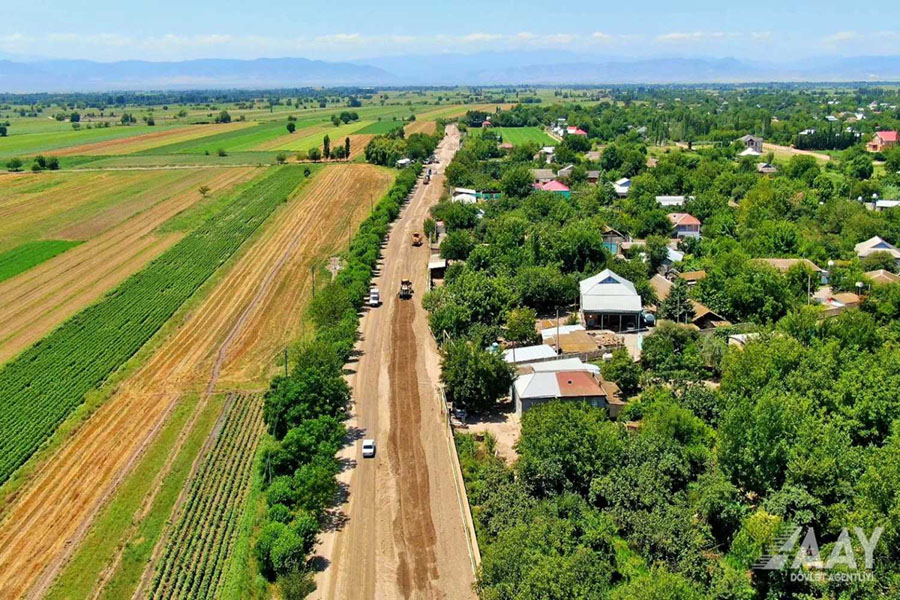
(81, 205)
(44, 296)
(428, 127)
(149, 141)
(233, 335)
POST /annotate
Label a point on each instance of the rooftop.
(683, 219)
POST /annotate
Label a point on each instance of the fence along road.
(401, 532)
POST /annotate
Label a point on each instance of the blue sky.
(173, 30)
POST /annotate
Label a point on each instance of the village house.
(554, 186)
(685, 225)
(565, 379)
(613, 239)
(882, 277)
(593, 176)
(692, 277)
(766, 168)
(882, 141)
(622, 187)
(881, 205)
(671, 201)
(785, 264)
(876, 244)
(752, 142)
(572, 130)
(566, 171)
(529, 354)
(609, 301)
(542, 175)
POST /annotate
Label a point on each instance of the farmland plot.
(47, 381)
(525, 135)
(198, 546)
(150, 141)
(42, 297)
(232, 335)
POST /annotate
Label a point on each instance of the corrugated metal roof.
(575, 384)
(528, 353)
(608, 292)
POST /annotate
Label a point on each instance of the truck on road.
(406, 290)
(416, 238)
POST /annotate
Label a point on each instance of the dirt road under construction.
(401, 532)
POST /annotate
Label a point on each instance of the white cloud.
(841, 36)
(696, 36)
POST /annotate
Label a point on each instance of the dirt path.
(400, 534)
(41, 298)
(791, 151)
(39, 528)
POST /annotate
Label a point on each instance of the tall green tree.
(677, 305)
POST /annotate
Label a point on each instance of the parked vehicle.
(374, 296)
(406, 290)
(416, 238)
(368, 448)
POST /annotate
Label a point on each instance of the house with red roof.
(572, 130)
(553, 186)
(882, 141)
(685, 225)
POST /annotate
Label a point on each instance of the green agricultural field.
(43, 384)
(304, 143)
(18, 260)
(523, 135)
(381, 127)
(231, 141)
(23, 144)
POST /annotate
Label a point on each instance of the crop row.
(199, 544)
(41, 386)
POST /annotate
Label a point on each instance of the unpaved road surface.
(42, 525)
(400, 532)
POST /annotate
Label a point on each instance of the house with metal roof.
(876, 244)
(564, 379)
(609, 301)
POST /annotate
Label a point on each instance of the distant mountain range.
(487, 68)
(262, 73)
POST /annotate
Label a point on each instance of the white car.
(368, 448)
(374, 297)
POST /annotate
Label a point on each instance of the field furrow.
(234, 334)
(41, 298)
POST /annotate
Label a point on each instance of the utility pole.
(557, 331)
(312, 269)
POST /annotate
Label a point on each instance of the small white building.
(403, 163)
(609, 301)
(671, 201)
(622, 187)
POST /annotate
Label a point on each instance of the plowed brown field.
(41, 298)
(230, 336)
(148, 141)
